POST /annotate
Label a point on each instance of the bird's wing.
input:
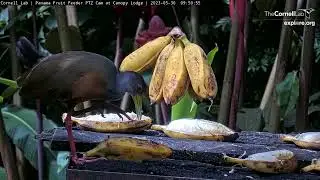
(58, 72)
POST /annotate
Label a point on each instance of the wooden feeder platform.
(191, 159)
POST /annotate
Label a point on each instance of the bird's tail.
(27, 52)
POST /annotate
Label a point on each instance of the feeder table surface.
(191, 159)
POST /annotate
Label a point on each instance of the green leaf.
(287, 93)
(51, 22)
(8, 82)
(312, 109)
(211, 54)
(314, 97)
(20, 124)
(184, 109)
(4, 18)
(8, 92)
(3, 174)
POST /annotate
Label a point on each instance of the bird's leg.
(74, 156)
(68, 125)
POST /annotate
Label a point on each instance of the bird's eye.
(139, 89)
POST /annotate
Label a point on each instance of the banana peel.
(127, 148)
(112, 123)
(314, 166)
(279, 161)
(308, 140)
(198, 129)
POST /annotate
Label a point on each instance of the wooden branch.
(284, 46)
(194, 19)
(270, 85)
(307, 59)
(119, 51)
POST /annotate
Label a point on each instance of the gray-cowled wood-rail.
(76, 76)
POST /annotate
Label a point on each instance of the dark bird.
(76, 76)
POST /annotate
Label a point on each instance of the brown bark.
(307, 59)
(227, 87)
(284, 46)
(246, 32)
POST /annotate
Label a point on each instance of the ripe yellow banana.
(146, 56)
(127, 148)
(210, 82)
(201, 75)
(155, 87)
(176, 78)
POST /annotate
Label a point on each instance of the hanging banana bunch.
(178, 65)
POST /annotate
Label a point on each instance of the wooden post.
(307, 59)
(284, 46)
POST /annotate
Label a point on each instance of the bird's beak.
(137, 99)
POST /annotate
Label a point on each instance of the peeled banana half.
(279, 161)
(308, 140)
(112, 123)
(199, 129)
(314, 166)
(145, 57)
(127, 148)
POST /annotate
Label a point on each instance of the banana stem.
(233, 160)
(158, 127)
(287, 138)
(185, 40)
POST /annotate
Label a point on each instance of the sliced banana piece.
(279, 161)
(197, 129)
(112, 123)
(314, 166)
(308, 140)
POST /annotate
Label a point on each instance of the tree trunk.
(241, 9)
(64, 34)
(246, 32)
(307, 59)
(229, 73)
(284, 46)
